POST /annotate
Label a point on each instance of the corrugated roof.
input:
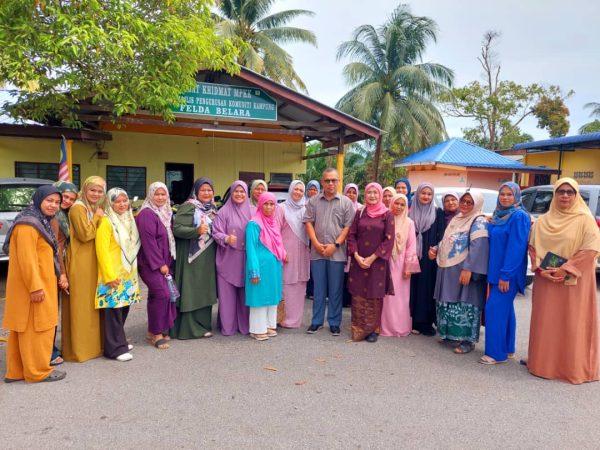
(457, 152)
(562, 142)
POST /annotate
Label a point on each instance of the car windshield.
(15, 198)
(489, 200)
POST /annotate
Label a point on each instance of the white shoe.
(130, 346)
(125, 357)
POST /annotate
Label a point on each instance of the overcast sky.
(543, 41)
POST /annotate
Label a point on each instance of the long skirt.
(366, 316)
(294, 296)
(458, 321)
(192, 324)
(500, 322)
(395, 316)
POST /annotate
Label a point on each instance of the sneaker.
(313, 329)
(130, 346)
(335, 331)
(124, 357)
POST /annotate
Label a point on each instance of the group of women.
(413, 268)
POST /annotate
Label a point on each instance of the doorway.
(179, 179)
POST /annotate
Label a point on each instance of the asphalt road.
(299, 391)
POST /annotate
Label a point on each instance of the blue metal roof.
(457, 152)
(562, 142)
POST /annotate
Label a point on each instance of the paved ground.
(299, 391)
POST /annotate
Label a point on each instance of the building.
(230, 127)
(458, 163)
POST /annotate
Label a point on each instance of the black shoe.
(313, 329)
(372, 337)
(428, 332)
(335, 331)
(12, 380)
(56, 375)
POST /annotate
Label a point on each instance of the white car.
(490, 197)
(15, 195)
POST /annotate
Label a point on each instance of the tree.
(593, 126)
(127, 54)
(248, 21)
(316, 166)
(391, 87)
(498, 107)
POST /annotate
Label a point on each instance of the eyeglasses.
(567, 192)
(466, 202)
(207, 191)
(330, 181)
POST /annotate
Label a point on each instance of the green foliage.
(594, 126)
(391, 87)
(262, 34)
(127, 54)
(498, 107)
(316, 166)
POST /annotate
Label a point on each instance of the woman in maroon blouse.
(370, 244)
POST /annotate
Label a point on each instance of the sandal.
(511, 356)
(271, 332)
(259, 337)
(207, 334)
(415, 332)
(488, 360)
(161, 344)
(57, 361)
(464, 348)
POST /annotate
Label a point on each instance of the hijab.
(62, 216)
(565, 232)
(294, 211)
(164, 212)
(454, 247)
(124, 229)
(253, 186)
(449, 215)
(355, 203)
(407, 183)
(270, 232)
(422, 215)
(34, 217)
(203, 213)
(501, 214)
(316, 184)
(378, 209)
(390, 189)
(94, 180)
(401, 224)
(236, 215)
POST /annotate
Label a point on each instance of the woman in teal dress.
(264, 268)
(195, 272)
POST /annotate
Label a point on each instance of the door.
(179, 179)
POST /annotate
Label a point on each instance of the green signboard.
(221, 100)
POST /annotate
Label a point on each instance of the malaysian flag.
(63, 166)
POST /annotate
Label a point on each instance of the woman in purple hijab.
(229, 233)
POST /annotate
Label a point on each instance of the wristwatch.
(337, 245)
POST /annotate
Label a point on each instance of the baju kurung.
(80, 333)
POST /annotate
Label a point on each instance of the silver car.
(15, 195)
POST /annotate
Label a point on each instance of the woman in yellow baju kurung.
(117, 246)
(31, 310)
(81, 336)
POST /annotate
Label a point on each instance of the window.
(541, 203)
(598, 207)
(46, 171)
(281, 178)
(249, 177)
(132, 179)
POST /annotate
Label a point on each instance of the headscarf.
(34, 217)
(378, 209)
(253, 186)
(316, 184)
(124, 229)
(407, 183)
(203, 212)
(401, 224)
(449, 215)
(237, 215)
(164, 212)
(390, 189)
(355, 203)
(565, 232)
(294, 211)
(502, 214)
(454, 247)
(94, 180)
(270, 233)
(62, 216)
(422, 215)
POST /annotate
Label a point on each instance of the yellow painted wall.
(582, 165)
(218, 158)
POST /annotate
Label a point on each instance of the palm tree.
(390, 85)
(262, 34)
(593, 126)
